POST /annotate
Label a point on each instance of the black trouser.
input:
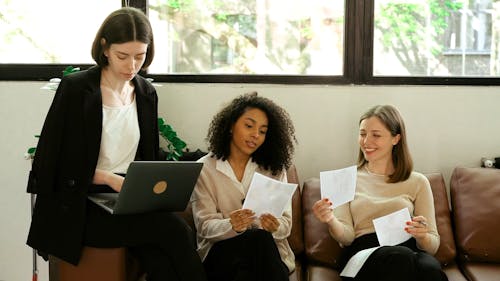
(252, 255)
(403, 262)
(161, 241)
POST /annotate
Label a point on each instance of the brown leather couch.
(322, 252)
(470, 241)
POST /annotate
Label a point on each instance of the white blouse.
(119, 138)
(217, 193)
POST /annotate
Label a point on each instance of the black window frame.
(358, 62)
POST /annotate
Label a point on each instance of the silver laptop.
(152, 186)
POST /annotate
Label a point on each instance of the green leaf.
(160, 122)
(174, 145)
(70, 69)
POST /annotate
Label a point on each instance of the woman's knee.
(397, 252)
(429, 267)
(260, 236)
(389, 263)
(171, 228)
(398, 257)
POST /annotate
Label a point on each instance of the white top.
(119, 138)
(218, 192)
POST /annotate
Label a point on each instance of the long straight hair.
(401, 158)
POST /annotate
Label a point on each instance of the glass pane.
(437, 38)
(281, 37)
(50, 31)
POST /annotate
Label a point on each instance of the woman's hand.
(269, 223)
(322, 210)
(241, 219)
(417, 227)
(108, 178)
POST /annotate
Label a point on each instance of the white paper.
(267, 195)
(390, 228)
(339, 186)
(356, 262)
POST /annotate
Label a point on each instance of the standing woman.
(385, 184)
(100, 120)
(251, 134)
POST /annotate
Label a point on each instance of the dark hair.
(123, 25)
(275, 154)
(401, 158)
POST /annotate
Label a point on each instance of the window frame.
(358, 51)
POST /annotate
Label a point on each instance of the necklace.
(123, 96)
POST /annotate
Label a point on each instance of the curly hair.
(275, 154)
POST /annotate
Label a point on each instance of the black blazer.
(66, 158)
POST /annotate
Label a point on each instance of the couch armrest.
(447, 251)
(296, 238)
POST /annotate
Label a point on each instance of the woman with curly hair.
(251, 134)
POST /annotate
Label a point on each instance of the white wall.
(447, 127)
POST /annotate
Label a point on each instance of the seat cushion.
(95, 264)
(482, 271)
(322, 273)
(453, 273)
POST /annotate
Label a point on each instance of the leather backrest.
(447, 251)
(296, 238)
(320, 247)
(475, 200)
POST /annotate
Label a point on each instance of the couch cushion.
(322, 273)
(475, 197)
(320, 247)
(447, 251)
(453, 273)
(296, 238)
(480, 271)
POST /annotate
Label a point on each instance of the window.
(50, 31)
(248, 37)
(270, 41)
(435, 38)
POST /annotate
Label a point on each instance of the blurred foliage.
(404, 28)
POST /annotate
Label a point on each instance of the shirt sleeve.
(424, 206)
(344, 216)
(44, 167)
(210, 223)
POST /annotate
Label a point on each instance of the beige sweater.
(375, 198)
(217, 193)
